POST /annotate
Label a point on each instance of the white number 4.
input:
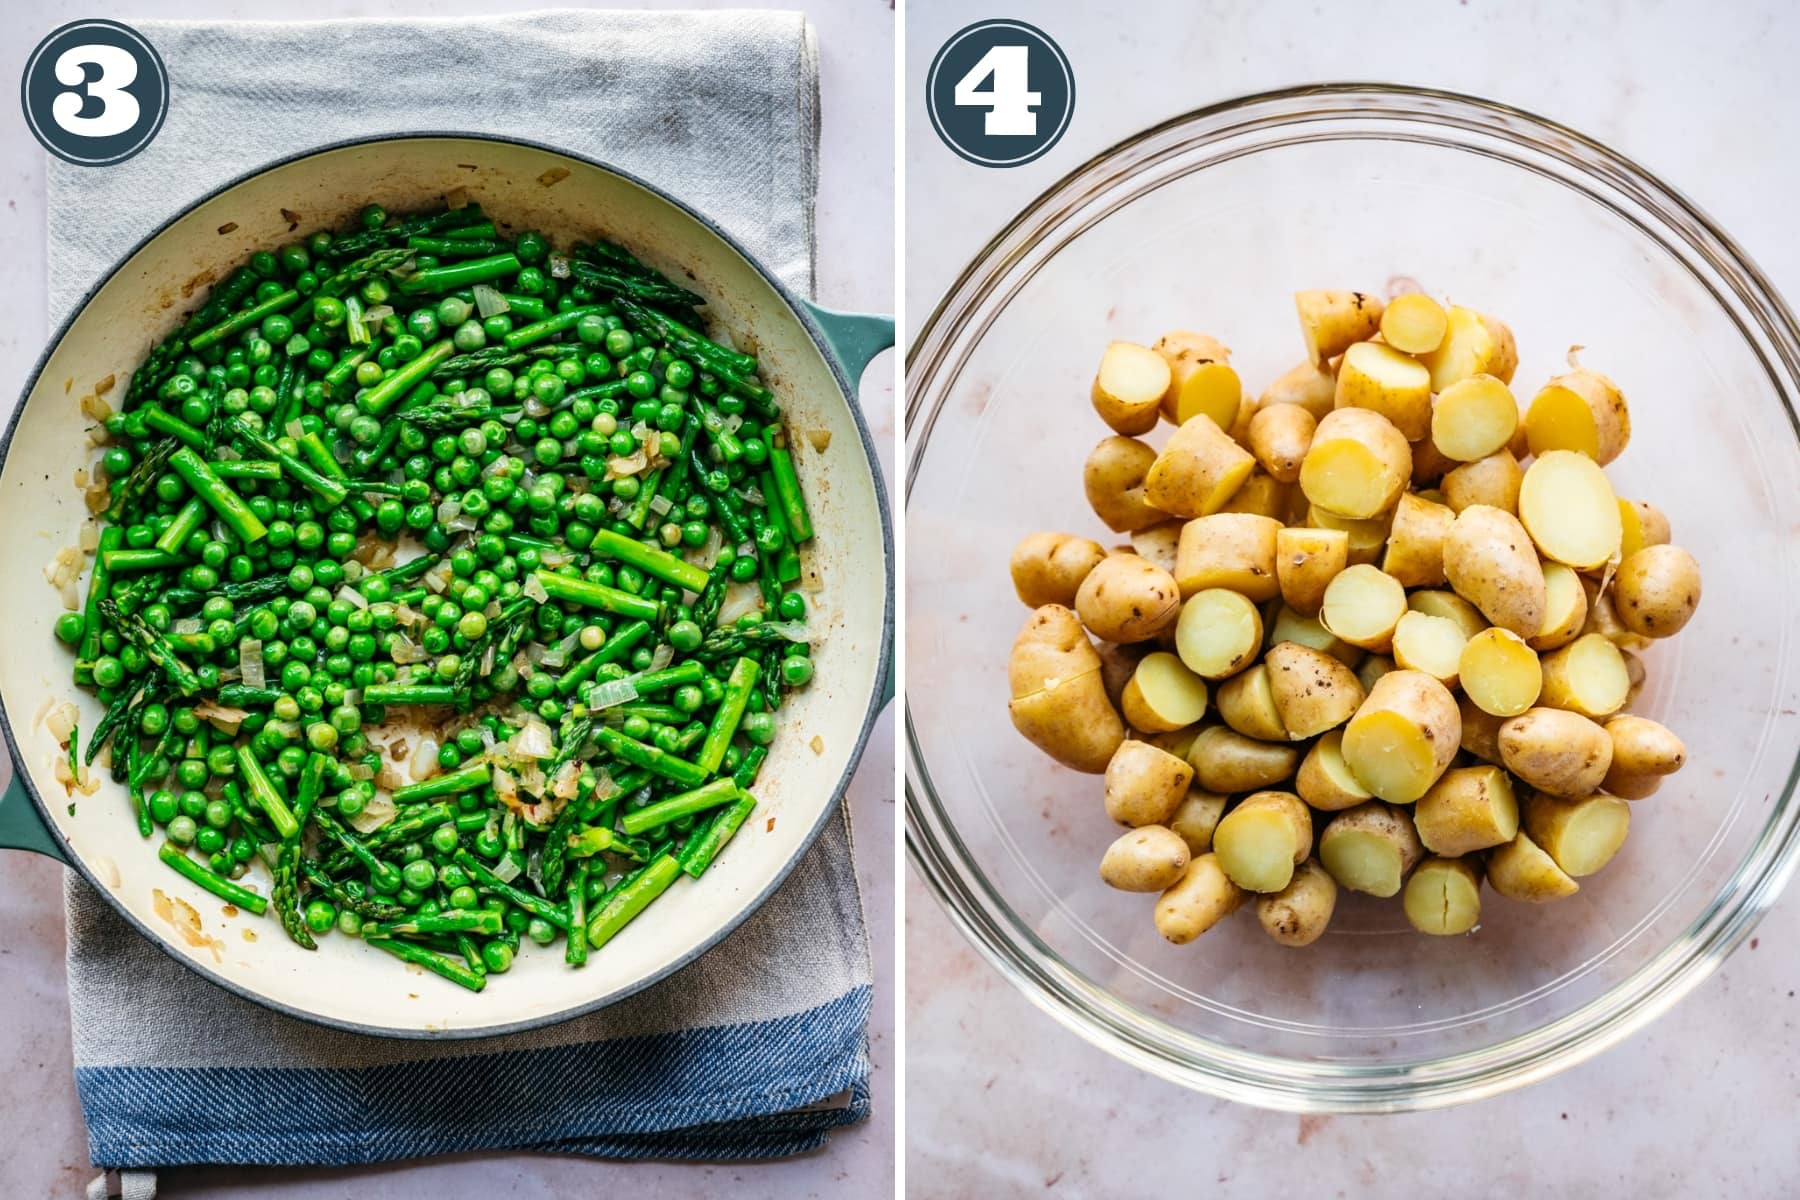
(1010, 101)
(119, 108)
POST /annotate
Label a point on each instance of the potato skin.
(1128, 599)
(1113, 479)
(1494, 481)
(1148, 859)
(1307, 385)
(1058, 701)
(1492, 563)
(1279, 436)
(1656, 591)
(1232, 550)
(1521, 870)
(1644, 754)
(1130, 414)
(1556, 751)
(1197, 816)
(1331, 321)
(1313, 691)
(1200, 899)
(1419, 700)
(1144, 785)
(1299, 914)
(1306, 561)
(1415, 549)
(1047, 568)
(1224, 760)
(1198, 471)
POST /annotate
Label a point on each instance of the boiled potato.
(1493, 481)
(1556, 751)
(1177, 742)
(1128, 388)
(1228, 550)
(1473, 344)
(1430, 465)
(1583, 412)
(1403, 736)
(1158, 543)
(1587, 676)
(1145, 785)
(1383, 380)
(1473, 418)
(1580, 834)
(1443, 897)
(1279, 437)
(1127, 599)
(1436, 602)
(1430, 644)
(1331, 321)
(1248, 706)
(1047, 568)
(1306, 561)
(1298, 914)
(1644, 754)
(1568, 507)
(1657, 590)
(1224, 760)
(1263, 495)
(1415, 546)
(1198, 471)
(1480, 731)
(1201, 381)
(1470, 808)
(1118, 662)
(1414, 323)
(1644, 525)
(1310, 691)
(1362, 606)
(1308, 385)
(1162, 695)
(1290, 626)
(1058, 701)
(1370, 848)
(1148, 859)
(1372, 668)
(1200, 899)
(1490, 560)
(1197, 816)
(1114, 479)
(1500, 673)
(1603, 617)
(1520, 870)
(1218, 633)
(1363, 540)
(1565, 608)
(1357, 465)
(1262, 840)
(1324, 781)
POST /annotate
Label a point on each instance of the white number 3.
(119, 108)
(1009, 102)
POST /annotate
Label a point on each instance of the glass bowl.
(1211, 221)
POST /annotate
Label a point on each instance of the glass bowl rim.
(966, 895)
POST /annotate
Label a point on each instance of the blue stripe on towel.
(674, 1095)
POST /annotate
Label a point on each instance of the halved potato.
(1218, 633)
(1414, 323)
(1443, 897)
(1587, 676)
(1201, 380)
(1583, 412)
(1415, 546)
(1358, 464)
(1382, 379)
(1580, 834)
(1311, 691)
(1228, 550)
(1500, 673)
(1567, 505)
(1430, 644)
(1363, 540)
(1279, 437)
(1325, 781)
(1128, 389)
(1197, 816)
(1403, 736)
(1290, 626)
(1473, 418)
(1362, 606)
(1262, 840)
(1200, 899)
(1565, 608)
(1306, 561)
(1520, 870)
(1370, 848)
(1308, 385)
(1198, 470)
(1469, 809)
(1331, 321)
(1114, 480)
(1248, 706)
(1493, 481)
(1224, 760)
(1163, 695)
(1474, 344)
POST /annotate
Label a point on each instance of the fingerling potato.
(1149, 859)
(1114, 479)
(1311, 691)
(1047, 568)
(1306, 385)
(1331, 321)
(1129, 386)
(1403, 736)
(1299, 913)
(1370, 848)
(1145, 785)
(1224, 760)
(1656, 591)
(1058, 700)
(1200, 899)
(1470, 808)
(1198, 470)
(1492, 563)
(1556, 751)
(1126, 598)
(1279, 437)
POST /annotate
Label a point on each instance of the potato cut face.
(1197, 817)
(1468, 348)
(1363, 861)
(1390, 756)
(1430, 644)
(1210, 389)
(1559, 419)
(1587, 837)
(1565, 607)
(1218, 633)
(1473, 418)
(1248, 705)
(1168, 689)
(1414, 323)
(1443, 898)
(1471, 808)
(1327, 758)
(1567, 505)
(1129, 386)
(1363, 605)
(1256, 849)
(1347, 479)
(1587, 676)
(1500, 673)
(1520, 870)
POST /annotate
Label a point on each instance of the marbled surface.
(43, 1149)
(1000, 1100)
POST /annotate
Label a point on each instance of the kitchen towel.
(759, 1048)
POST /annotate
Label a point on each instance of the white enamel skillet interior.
(809, 356)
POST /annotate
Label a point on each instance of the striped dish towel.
(756, 1050)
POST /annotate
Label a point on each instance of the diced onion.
(660, 505)
(533, 741)
(448, 509)
(60, 720)
(378, 314)
(793, 631)
(375, 814)
(423, 762)
(611, 694)
(535, 408)
(753, 495)
(489, 302)
(459, 523)
(734, 422)
(559, 266)
(534, 588)
(352, 597)
(507, 869)
(250, 662)
(360, 771)
(438, 578)
(186, 626)
(662, 656)
(740, 598)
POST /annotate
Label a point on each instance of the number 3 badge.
(1000, 93)
(95, 93)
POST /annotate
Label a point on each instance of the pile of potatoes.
(1375, 630)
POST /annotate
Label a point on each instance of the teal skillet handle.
(21, 828)
(854, 339)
